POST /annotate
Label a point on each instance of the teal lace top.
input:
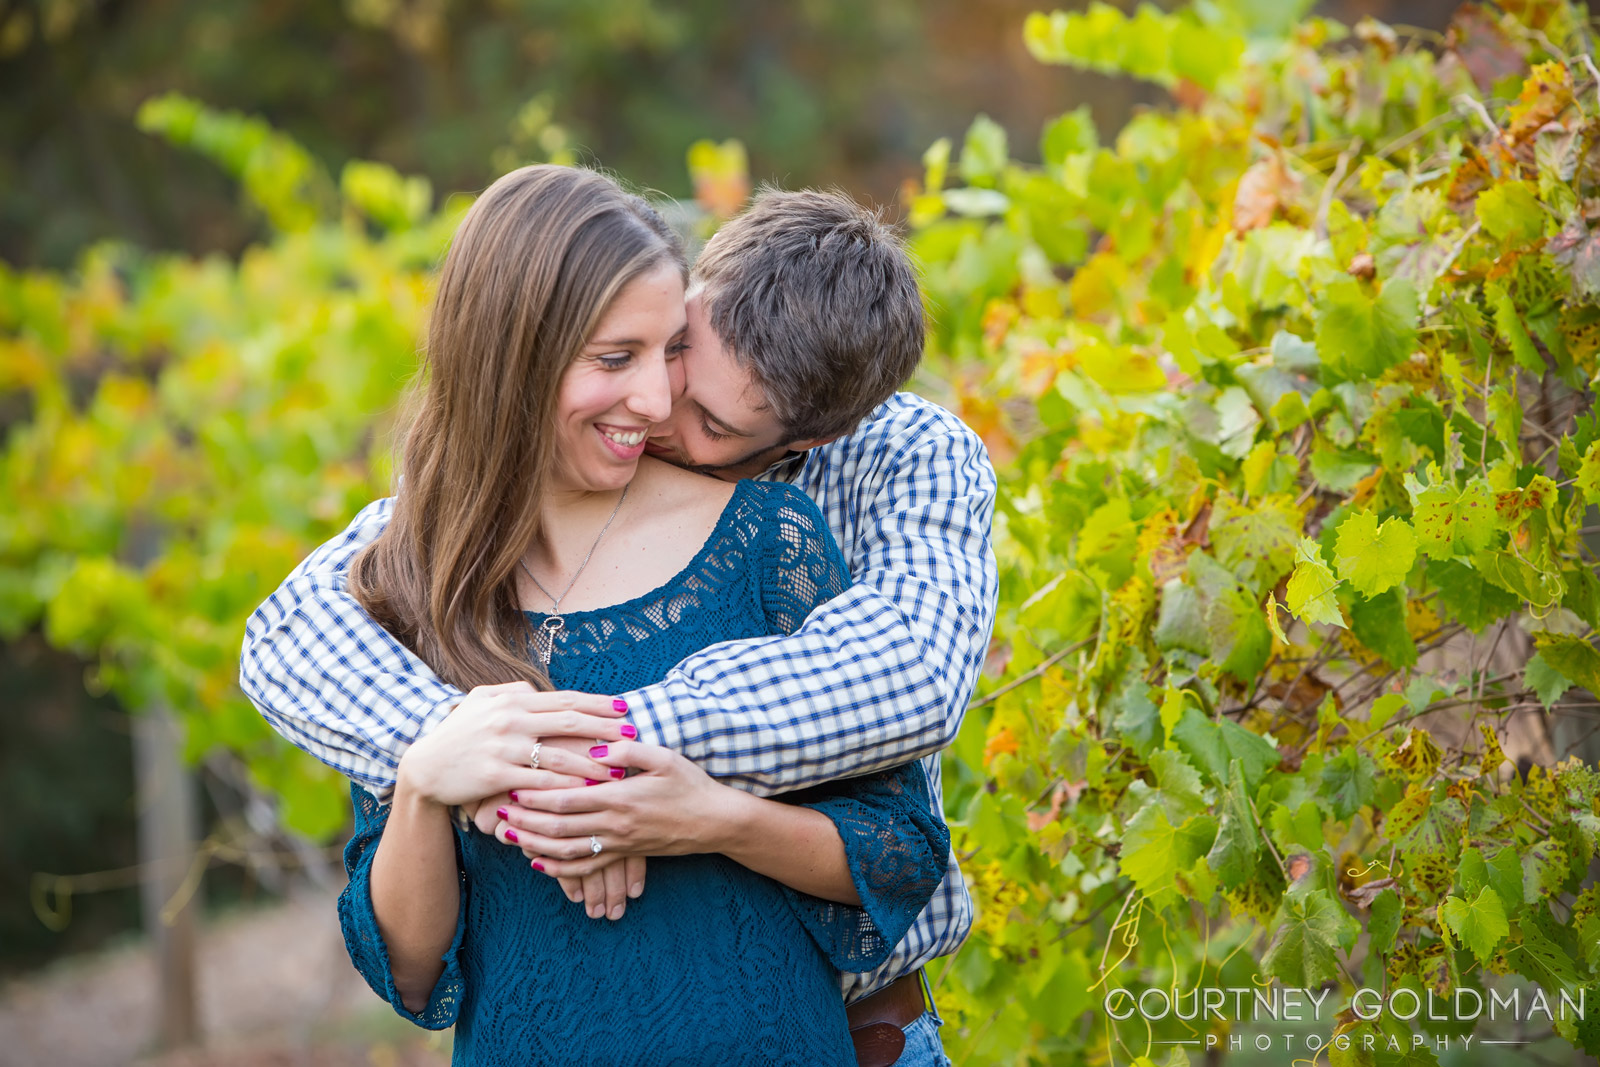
(714, 963)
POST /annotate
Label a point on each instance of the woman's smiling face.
(619, 387)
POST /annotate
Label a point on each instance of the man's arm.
(881, 674)
(331, 680)
(876, 677)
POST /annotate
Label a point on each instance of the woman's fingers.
(545, 824)
(546, 849)
(570, 756)
(565, 870)
(594, 893)
(628, 753)
(616, 878)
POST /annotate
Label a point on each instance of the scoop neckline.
(739, 489)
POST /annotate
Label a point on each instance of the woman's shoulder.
(669, 490)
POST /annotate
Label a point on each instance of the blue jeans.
(923, 1047)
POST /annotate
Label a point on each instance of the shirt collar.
(786, 469)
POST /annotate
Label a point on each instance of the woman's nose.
(652, 394)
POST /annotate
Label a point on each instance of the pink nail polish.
(538, 866)
(591, 781)
(502, 812)
(598, 752)
(619, 705)
(511, 835)
(628, 730)
(514, 799)
(619, 772)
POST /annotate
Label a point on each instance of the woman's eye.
(616, 361)
(676, 350)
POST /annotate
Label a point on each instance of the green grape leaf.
(1359, 336)
(1545, 955)
(1310, 591)
(1257, 541)
(1181, 791)
(1349, 782)
(1511, 212)
(1583, 594)
(1383, 922)
(1238, 845)
(1505, 877)
(983, 155)
(1138, 720)
(1451, 522)
(1238, 634)
(1508, 322)
(1547, 683)
(1545, 868)
(1588, 478)
(1380, 624)
(1181, 623)
(1424, 824)
(1466, 597)
(1215, 745)
(1154, 851)
(1480, 923)
(1302, 952)
(1339, 469)
(1371, 558)
(1572, 657)
(1068, 135)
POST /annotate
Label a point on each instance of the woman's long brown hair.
(536, 262)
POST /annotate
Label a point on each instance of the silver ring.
(594, 845)
(533, 759)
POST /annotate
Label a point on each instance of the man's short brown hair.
(817, 296)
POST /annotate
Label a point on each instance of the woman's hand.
(484, 746)
(671, 808)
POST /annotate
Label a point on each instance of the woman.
(532, 543)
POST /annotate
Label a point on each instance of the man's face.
(720, 422)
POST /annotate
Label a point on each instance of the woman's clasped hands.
(668, 807)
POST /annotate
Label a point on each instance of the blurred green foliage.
(1290, 385)
(821, 92)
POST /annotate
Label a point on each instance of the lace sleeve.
(897, 849)
(801, 565)
(360, 924)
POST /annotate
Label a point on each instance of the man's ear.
(811, 442)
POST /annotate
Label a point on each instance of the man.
(804, 318)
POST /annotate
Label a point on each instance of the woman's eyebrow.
(628, 341)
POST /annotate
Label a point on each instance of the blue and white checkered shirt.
(879, 675)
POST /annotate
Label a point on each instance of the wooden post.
(166, 850)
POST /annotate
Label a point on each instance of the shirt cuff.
(650, 711)
(425, 724)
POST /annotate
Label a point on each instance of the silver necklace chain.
(554, 623)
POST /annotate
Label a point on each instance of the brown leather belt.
(878, 1022)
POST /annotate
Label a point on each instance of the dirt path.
(276, 990)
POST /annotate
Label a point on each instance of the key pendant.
(547, 636)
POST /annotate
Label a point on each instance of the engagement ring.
(594, 844)
(534, 758)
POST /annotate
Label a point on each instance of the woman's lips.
(624, 443)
